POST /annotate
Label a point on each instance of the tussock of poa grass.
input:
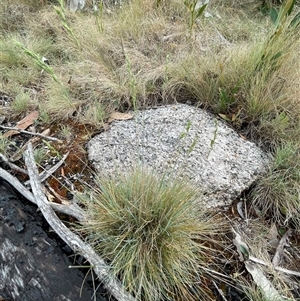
(153, 233)
(277, 193)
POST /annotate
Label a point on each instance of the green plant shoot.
(196, 9)
(61, 13)
(38, 61)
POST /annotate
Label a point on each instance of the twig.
(47, 173)
(31, 133)
(75, 243)
(34, 140)
(277, 268)
(12, 165)
(219, 291)
(72, 210)
(290, 272)
(57, 195)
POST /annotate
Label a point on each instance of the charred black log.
(32, 265)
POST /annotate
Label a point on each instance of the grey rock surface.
(185, 141)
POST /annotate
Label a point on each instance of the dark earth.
(34, 263)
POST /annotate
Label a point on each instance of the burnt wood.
(33, 266)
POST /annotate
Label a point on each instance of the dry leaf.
(225, 117)
(119, 116)
(242, 248)
(257, 274)
(284, 242)
(239, 207)
(23, 124)
(273, 236)
(28, 120)
(262, 282)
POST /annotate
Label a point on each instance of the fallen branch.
(47, 173)
(72, 209)
(74, 242)
(30, 133)
(12, 165)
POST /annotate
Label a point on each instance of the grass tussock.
(153, 233)
(277, 193)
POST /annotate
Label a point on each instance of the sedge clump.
(153, 233)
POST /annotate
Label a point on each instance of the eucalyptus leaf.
(242, 247)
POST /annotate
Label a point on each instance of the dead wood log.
(32, 264)
(74, 242)
(72, 209)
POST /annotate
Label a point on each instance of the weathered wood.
(74, 242)
(72, 209)
(44, 175)
(12, 165)
(31, 133)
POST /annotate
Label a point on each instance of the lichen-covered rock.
(185, 141)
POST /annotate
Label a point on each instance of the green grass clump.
(277, 193)
(21, 102)
(4, 144)
(153, 233)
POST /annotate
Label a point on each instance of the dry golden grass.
(143, 55)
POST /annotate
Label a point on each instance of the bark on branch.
(78, 246)
(72, 209)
